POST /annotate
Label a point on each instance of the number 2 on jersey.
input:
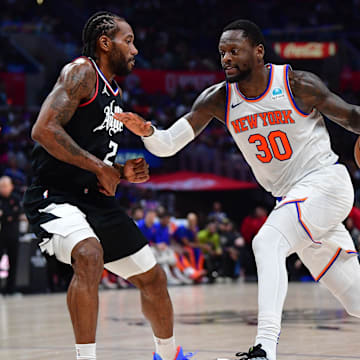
(113, 151)
(269, 147)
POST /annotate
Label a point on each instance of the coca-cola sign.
(305, 50)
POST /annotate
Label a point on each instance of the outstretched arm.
(75, 84)
(310, 92)
(210, 104)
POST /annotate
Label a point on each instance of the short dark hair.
(101, 23)
(250, 29)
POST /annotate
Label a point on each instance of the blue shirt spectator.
(147, 226)
(162, 229)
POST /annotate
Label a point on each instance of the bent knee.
(270, 241)
(151, 282)
(88, 257)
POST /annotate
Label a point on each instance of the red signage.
(153, 81)
(192, 181)
(305, 50)
(14, 87)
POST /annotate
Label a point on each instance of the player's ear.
(104, 43)
(260, 52)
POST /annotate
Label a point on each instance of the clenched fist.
(134, 170)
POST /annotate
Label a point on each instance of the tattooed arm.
(75, 84)
(310, 92)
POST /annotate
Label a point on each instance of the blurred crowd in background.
(194, 247)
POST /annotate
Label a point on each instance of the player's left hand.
(136, 170)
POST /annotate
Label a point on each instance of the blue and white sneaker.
(179, 355)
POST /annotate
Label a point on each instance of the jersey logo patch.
(111, 125)
(277, 94)
(105, 91)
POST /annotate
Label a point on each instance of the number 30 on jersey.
(276, 145)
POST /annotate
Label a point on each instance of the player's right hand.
(135, 123)
(109, 178)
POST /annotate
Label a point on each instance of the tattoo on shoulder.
(79, 81)
(76, 83)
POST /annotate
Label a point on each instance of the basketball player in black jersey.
(71, 203)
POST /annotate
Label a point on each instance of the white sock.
(85, 351)
(270, 248)
(268, 334)
(166, 348)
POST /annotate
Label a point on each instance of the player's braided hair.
(250, 29)
(101, 23)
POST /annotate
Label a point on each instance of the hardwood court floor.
(216, 320)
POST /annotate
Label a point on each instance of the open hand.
(136, 170)
(135, 123)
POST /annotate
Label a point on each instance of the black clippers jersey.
(94, 129)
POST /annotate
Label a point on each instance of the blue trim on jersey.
(329, 266)
(301, 223)
(267, 86)
(291, 95)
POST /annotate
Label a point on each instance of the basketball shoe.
(179, 355)
(255, 352)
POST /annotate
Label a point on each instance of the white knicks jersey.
(281, 143)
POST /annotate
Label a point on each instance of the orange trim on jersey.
(290, 95)
(293, 201)
(351, 252)
(96, 92)
(260, 97)
(308, 232)
(327, 267)
(301, 221)
(228, 101)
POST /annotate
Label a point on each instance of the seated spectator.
(190, 256)
(164, 254)
(209, 242)
(147, 226)
(233, 245)
(137, 213)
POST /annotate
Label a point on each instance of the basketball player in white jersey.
(274, 115)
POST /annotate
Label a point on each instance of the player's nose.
(134, 50)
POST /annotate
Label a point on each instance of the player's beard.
(241, 76)
(119, 63)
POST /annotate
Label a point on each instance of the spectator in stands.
(137, 213)
(190, 256)
(233, 245)
(147, 226)
(209, 242)
(249, 228)
(10, 210)
(164, 254)
(217, 214)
